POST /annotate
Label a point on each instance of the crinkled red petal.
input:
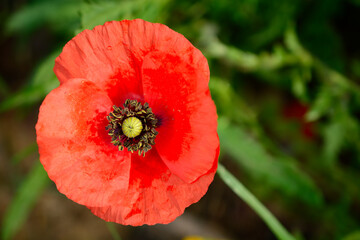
(74, 147)
(111, 55)
(176, 87)
(155, 194)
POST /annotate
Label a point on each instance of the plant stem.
(113, 231)
(239, 189)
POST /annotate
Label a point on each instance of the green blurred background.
(285, 76)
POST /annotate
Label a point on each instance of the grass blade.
(19, 209)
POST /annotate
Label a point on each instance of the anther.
(132, 126)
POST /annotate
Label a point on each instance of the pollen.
(132, 127)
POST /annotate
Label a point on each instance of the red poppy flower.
(131, 130)
(295, 110)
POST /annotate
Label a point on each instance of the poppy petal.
(176, 88)
(155, 194)
(74, 147)
(108, 49)
(116, 50)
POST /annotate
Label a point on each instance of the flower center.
(132, 127)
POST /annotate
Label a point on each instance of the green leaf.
(334, 137)
(42, 82)
(278, 173)
(25, 198)
(321, 105)
(298, 85)
(300, 77)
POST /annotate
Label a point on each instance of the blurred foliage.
(239, 189)
(284, 75)
(41, 83)
(25, 198)
(274, 172)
